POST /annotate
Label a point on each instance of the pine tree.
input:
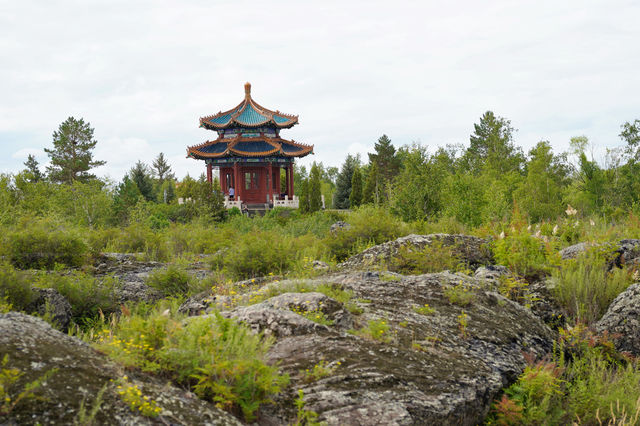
(33, 171)
(385, 159)
(141, 176)
(355, 198)
(343, 182)
(162, 169)
(315, 196)
(71, 156)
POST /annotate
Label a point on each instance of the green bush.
(585, 287)
(171, 281)
(220, 360)
(40, 248)
(369, 225)
(522, 253)
(261, 253)
(432, 258)
(86, 294)
(14, 288)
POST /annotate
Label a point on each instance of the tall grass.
(585, 286)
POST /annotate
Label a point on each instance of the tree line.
(478, 183)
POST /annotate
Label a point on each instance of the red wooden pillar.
(209, 173)
(286, 182)
(291, 180)
(235, 181)
(270, 182)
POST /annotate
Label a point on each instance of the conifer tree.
(141, 176)
(71, 157)
(386, 160)
(32, 169)
(355, 199)
(315, 196)
(162, 169)
(343, 182)
(370, 192)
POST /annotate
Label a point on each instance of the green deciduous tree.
(541, 193)
(631, 135)
(417, 191)
(71, 156)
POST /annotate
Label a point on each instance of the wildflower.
(570, 210)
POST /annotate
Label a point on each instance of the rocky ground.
(425, 349)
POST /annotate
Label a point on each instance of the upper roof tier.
(248, 114)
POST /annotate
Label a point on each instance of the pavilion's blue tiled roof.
(290, 148)
(215, 148)
(251, 117)
(240, 146)
(248, 114)
(253, 147)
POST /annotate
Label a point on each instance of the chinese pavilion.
(250, 153)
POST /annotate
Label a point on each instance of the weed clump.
(220, 360)
(171, 281)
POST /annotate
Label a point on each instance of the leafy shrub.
(171, 281)
(432, 258)
(87, 295)
(15, 289)
(586, 288)
(369, 225)
(41, 248)
(262, 252)
(522, 253)
(219, 359)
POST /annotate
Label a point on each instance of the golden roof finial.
(247, 90)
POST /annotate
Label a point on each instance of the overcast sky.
(143, 72)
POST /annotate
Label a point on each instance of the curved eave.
(196, 153)
(235, 113)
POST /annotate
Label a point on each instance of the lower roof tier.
(249, 147)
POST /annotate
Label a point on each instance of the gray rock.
(423, 371)
(274, 322)
(492, 273)
(136, 291)
(628, 252)
(622, 320)
(471, 250)
(35, 348)
(339, 226)
(573, 251)
(49, 302)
